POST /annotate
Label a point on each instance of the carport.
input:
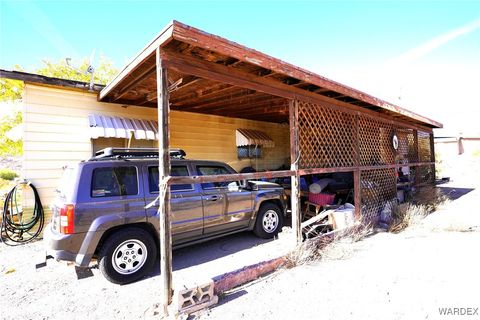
(333, 128)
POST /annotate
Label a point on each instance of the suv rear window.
(174, 171)
(114, 181)
(66, 188)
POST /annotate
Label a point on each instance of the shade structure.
(249, 137)
(102, 126)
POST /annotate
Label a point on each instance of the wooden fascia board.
(162, 38)
(196, 37)
(217, 72)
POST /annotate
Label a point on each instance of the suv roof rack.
(129, 153)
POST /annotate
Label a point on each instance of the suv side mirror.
(243, 183)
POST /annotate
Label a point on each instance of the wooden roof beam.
(220, 73)
(134, 82)
(240, 98)
(205, 93)
(248, 106)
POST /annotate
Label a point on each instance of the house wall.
(56, 133)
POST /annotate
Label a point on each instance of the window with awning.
(250, 143)
(250, 137)
(102, 126)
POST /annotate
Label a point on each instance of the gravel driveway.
(386, 276)
(54, 292)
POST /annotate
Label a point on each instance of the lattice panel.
(406, 152)
(379, 189)
(425, 174)
(424, 152)
(375, 142)
(326, 137)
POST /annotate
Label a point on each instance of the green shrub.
(8, 174)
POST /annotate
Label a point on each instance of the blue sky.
(413, 50)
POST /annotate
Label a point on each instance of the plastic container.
(321, 198)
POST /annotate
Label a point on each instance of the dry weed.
(334, 245)
(426, 200)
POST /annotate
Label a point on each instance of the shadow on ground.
(454, 193)
(209, 251)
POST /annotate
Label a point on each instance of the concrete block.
(197, 298)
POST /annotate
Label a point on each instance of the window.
(213, 170)
(114, 181)
(249, 152)
(175, 171)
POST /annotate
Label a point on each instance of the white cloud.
(432, 44)
(41, 23)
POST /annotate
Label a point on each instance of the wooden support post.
(164, 192)
(357, 189)
(417, 156)
(432, 157)
(294, 160)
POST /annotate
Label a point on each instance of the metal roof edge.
(50, 81)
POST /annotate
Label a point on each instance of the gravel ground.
(55, 293)
(386, 276)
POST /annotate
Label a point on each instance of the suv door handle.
(213, 198)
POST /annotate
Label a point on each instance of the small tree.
(104, 71)
(12, 90)
(9, 147)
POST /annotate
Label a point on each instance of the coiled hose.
(18, 226)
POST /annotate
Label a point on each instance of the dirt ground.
(410, 275)
(385, 276)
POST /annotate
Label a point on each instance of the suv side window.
(114, 181)
(175, 171)
(213, 170)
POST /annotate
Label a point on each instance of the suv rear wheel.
(269, 221)
(127, 255)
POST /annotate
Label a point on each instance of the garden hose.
(20, 224)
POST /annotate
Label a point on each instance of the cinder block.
(194, 299)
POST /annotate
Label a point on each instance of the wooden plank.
(164, 193)
(223, 46)
(237, 98)
(309, 171)
(230, 177)
(294, 160)
(217, 72)
(135, 82)
(164, 37)
(357, 189)
(357, 186)
(272, 102)
(432, 156)
(415, 147)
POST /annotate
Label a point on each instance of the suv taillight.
(67, 214)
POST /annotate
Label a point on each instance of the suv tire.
(269, 221)
(127, 255)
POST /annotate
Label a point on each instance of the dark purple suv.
(101, 211)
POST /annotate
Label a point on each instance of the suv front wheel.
(269, 221)
(127, 255)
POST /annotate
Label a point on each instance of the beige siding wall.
(57, 134)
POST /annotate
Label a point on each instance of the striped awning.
(114, 127)
(249, 137)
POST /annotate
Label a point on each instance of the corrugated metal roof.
(248, 137)
(115, 127)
